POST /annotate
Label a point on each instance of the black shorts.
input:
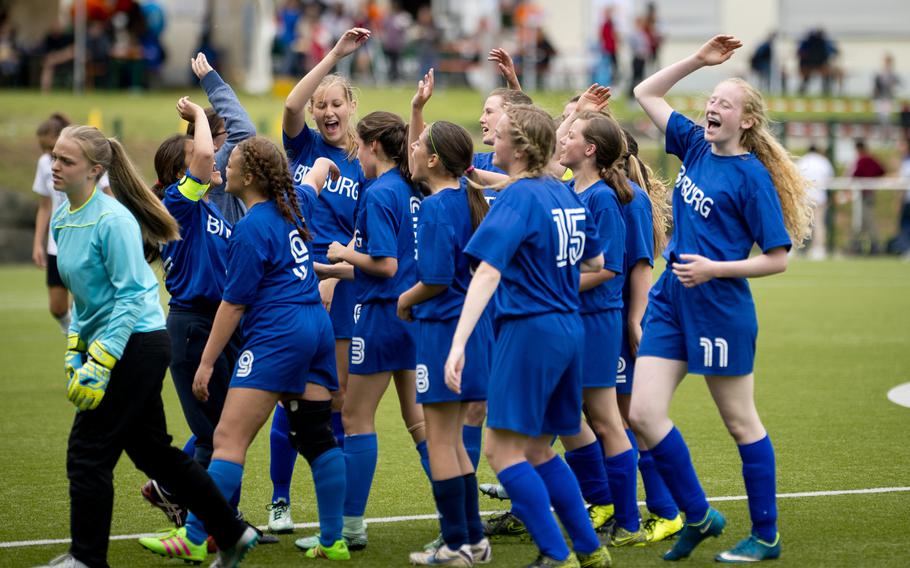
(53, 275)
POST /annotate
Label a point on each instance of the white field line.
(403, 518)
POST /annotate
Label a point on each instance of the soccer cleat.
(280, 517)
(504, 524)
(601, 515)
(482, 552)
(751, 549)
(658, 528)
(443, 556)
(231, 557)
(494, 491)
(620, 537)
(354, 541)
(600, 558)
(175, 544)
(159, 497)
(64, 561)
(692, 534)
(338, 551)
(435, 543)
(547, 562)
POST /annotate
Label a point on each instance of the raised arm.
(203, 157)
(421, 97)
(650, 92)
(506, 67)
(295, 105)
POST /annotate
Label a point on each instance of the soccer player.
(194, 275)
(287, 353)
(330, 99)
(737, 187)
(441, 153)
(382, 254)
(118, 349)
(593, 149)
(494, 107)
(535, 239)
(647, 218)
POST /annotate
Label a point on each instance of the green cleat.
(338, 551)
(600, 558)
(434, 544)
(175, 544)
(547, 562)
(692, 534)
(658, 528)
(601, 515)
(504, 524)
(620, 537)
(751, 549)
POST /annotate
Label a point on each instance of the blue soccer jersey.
(721, 204)
(484, 161)
(639, 219)
(602, 202)
(443, 230)
(270, 265)
(333, 218)
(194, 266)
(535, 236)
(386, 227)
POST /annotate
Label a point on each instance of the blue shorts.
(434, 339)
(602, 339)
(342, 309)
(625, 370)
(382, 342)
(535, 382)
(688, 324)
(300, 351)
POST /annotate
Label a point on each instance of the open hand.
(594, 99)
(351, 41)
(718, 49)
(506, 66)
(424, 91)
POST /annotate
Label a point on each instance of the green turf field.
(834, 339)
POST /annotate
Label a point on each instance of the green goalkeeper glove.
(75, 354)
(87, 385)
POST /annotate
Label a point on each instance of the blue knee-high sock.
(565, 496)
(227, 477)
(621, 472)
(360, 454)
(758, 473)
(587, 463)
(189, 448)
(472, 509)
(449, 495)
(329, 478)
(531, 504)
(657, 496)
(283, 456)
(338, 429)
(675, 466)
(472, 436)
(631, 436)
(424, 459)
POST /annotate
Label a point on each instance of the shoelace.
(280, 509)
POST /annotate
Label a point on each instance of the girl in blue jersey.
(594, 148)
(330, 99)
(382, 254)
(118, 349)
(194, 267)
(536, 239)
(287, 353)
(441, 153)
(737, 187)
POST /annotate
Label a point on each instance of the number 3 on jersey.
(571, 237)
(301, 254)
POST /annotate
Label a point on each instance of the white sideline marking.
(900, 395)
(403, 518)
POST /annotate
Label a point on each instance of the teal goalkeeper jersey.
(100, 259)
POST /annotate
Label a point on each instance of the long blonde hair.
(158, 227)
(658, 193)
(532, 132)
(790, 184)
(330, 80)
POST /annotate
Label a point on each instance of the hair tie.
(470, 169)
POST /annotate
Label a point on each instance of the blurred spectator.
(313, 39)
(640, 46)
(817, 169)
(286, 35)
(98, 54)
(884, 89)
(867, 166)
(606, 71)
(337, 21)
(653, 32)
(900, 244)
(426, 39)
(57, 50)
(816, 54)
(545, 52)
(152, 50)
(761, 62)
(10, 54)
(394, 38)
